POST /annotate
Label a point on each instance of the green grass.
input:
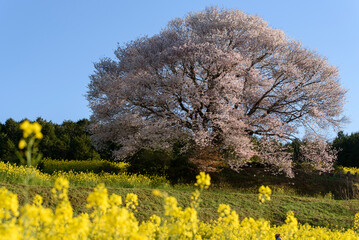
(314, 211)
(305, 183)
(307, 195)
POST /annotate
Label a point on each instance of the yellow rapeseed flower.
(356, 222)
(22, 144)
(264, 194)
(39, 135)
(26, 126)
(37, 201)
(115, 221)
(156, 193)
(36, 127)
(131, 201)
(203, 180)
(115, 200)
(31, 128)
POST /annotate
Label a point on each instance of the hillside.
(314, 211)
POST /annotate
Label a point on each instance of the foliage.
(13, 174)
(96, 166)
(111, 218)
(348, 149)
(147, 161)
(70, 140)
(218, 77)
(10, 134)
(172, 163)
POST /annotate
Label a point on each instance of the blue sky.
(47, 48)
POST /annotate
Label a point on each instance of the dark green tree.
(348, 147)
(69, 140)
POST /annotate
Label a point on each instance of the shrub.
(172, 163)
(96, 166)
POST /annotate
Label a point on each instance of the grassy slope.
(304, 183)
(315, 211)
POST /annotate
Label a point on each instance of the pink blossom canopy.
(219, 77)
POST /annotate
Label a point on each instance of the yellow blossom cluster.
(352, 170)
(111, 179)
(93, 165)
(203, 180)
(264, 194)
(9, 204)
(356, 222)
(10, 173)
(29, 129)
(110, 218)
(31, 133)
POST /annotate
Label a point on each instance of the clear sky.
(47, 48)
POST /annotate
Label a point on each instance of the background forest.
(71, 140)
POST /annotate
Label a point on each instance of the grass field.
(316, 211)
(311, 197)
(159, 217)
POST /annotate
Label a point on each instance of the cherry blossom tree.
(318, 153)
(218, 77)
